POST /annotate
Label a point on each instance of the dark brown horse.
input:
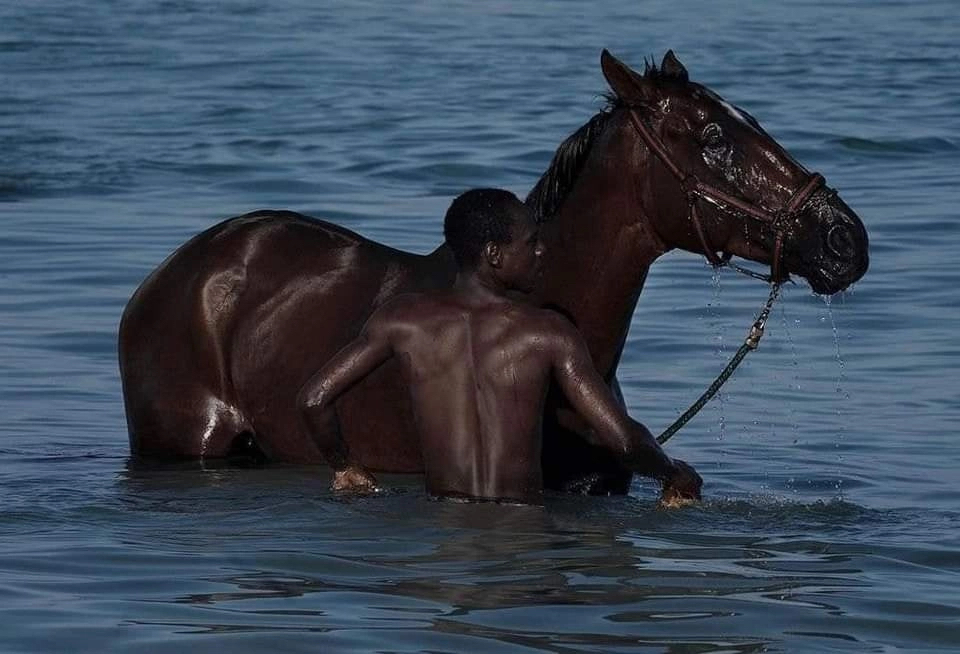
(217, 341)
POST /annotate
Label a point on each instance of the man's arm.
(610, 426)
(347, 367)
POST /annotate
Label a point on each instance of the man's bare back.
(478, 370)
(478, 365)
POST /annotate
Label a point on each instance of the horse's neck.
(599, 249)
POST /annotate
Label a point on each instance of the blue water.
(832, 518)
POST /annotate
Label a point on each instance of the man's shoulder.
(439, 307)
(544, 320)
(413, 308)
(555, 334)
(402, 302)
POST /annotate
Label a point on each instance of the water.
(831, 520)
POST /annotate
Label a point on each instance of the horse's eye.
(712, 136)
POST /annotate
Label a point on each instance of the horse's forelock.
(656, 74)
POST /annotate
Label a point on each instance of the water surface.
(831, 520)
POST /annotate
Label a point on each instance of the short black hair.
(476, 217)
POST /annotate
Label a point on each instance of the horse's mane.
(549, 193)
(551, 190)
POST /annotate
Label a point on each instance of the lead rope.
(749, 344)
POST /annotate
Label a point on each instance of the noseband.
(695, 190)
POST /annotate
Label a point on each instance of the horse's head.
(741, 192)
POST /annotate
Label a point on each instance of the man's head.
(493, 228)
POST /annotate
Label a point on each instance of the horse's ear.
(672, 67)
(628, 86)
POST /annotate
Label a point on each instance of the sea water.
(831, 519)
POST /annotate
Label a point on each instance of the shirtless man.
(478, 364)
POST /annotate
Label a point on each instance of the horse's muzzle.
(842, 255)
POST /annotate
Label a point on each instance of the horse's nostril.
(840, 241)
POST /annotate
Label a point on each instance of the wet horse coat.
(217, 341)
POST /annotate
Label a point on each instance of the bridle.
(695, 190)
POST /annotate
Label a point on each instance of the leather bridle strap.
(694, 190)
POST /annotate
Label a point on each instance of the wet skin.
(477, 363)
(216, 343)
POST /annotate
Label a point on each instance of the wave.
(922, 145)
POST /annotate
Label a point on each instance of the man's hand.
(354, 479)
(682, 486)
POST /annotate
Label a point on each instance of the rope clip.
(756, 333)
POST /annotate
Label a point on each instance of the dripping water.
(840, 389)
(717, 327)
(793, 383)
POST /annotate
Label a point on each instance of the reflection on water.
(580, 574)
(187, 554)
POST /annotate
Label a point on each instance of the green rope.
(751, 343)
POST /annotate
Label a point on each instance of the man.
(478, 364)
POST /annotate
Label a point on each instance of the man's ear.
(493, 254)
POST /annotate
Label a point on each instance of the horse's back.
(217, 340)
(212, 267)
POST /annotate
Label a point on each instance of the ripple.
(831, 519)
(929, 145)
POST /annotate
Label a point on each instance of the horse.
(216, 342)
